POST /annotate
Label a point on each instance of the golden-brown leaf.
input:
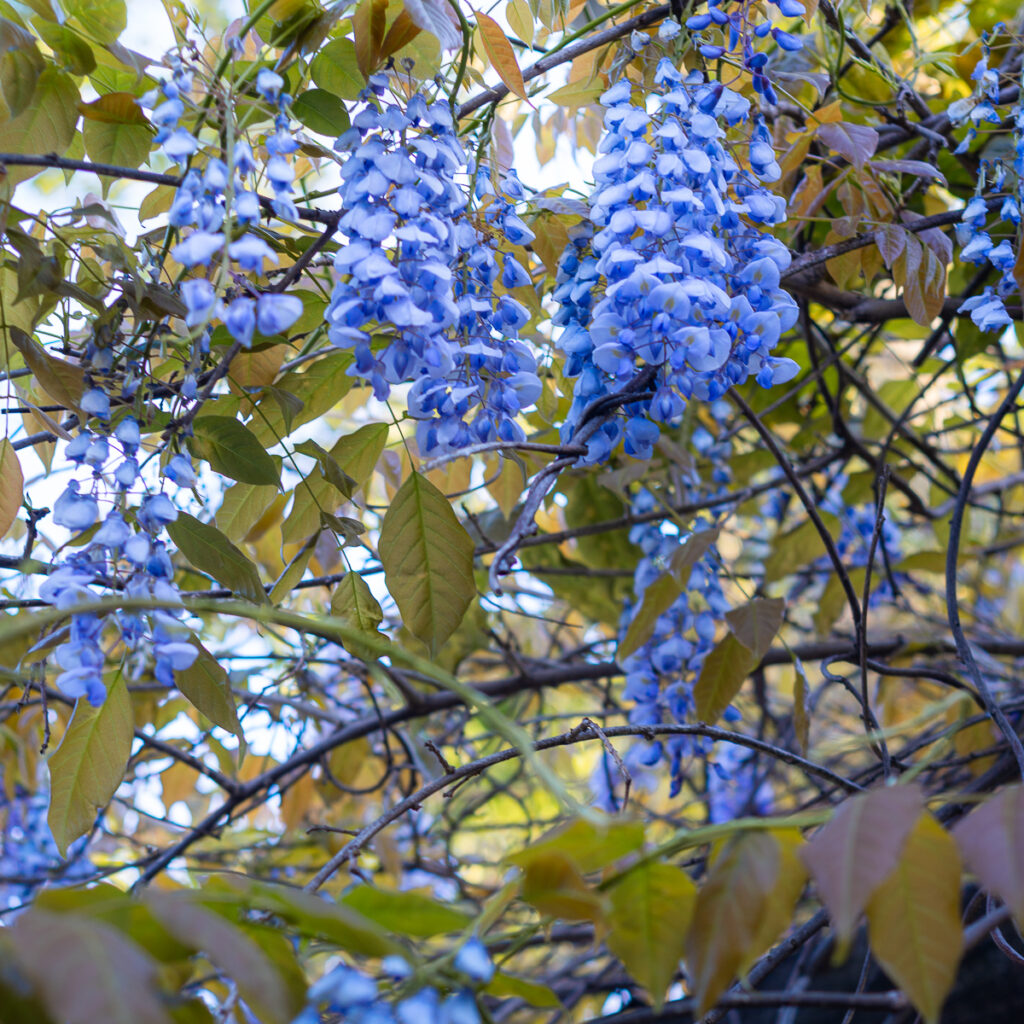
(914, 918)
(500, 54)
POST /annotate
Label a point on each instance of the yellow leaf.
(914, 918)
(500, 54)
(778, 909)
(553, 885)
(12, 484)
(650, 912)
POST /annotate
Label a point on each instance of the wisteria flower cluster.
(417, 298)
(987, 309)
(677, 269)
(110, 504)
(358, 997)
(737, 31)
(204, 203)
(28, 854)
(660, 674)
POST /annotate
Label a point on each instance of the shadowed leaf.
(856, 851)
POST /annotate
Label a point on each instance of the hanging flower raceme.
(417, 299)
(726, 27)
(213, 204)
(677, 269)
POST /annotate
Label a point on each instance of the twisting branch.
(590, 421)
(586, 731)
(956, 523)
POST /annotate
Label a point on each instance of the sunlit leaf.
(406, 913)
(89, 764)
(500, 53)
(428, 561)
(12, 484)
(211, 552)
(914, 918)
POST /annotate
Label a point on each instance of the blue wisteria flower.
(677, 268)
(417, 298)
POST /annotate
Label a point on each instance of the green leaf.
(721, 678)
(507, 986)
(89, 764)
(312, 916)
(428, 561)
(231, 950)
(292, 573)
(232, 449)
(211, 552)
(858, 849)
(68, 47)
(406, 913)
(650, 914)
(114, 130)
(317, 388)
(241, 508)
(797, 548)
(47, 124)
(205, 684)
(102, 20)
(322, 112)
(659, 596)
(334, 69)
(756, 623)
(914, 924)
(359, 452)
(353, 601)
(86, 972)
(12, 484)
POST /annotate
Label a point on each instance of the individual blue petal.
(474, 960)
(240, 320)
(250, 252)
(198, 249)
(179, 469)
(200, 300)
(155, 512)
(180, 145)
(128, 433)
(96, 402)
(114, 532)
(276, 313)
(74, 511)
(269, 84)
